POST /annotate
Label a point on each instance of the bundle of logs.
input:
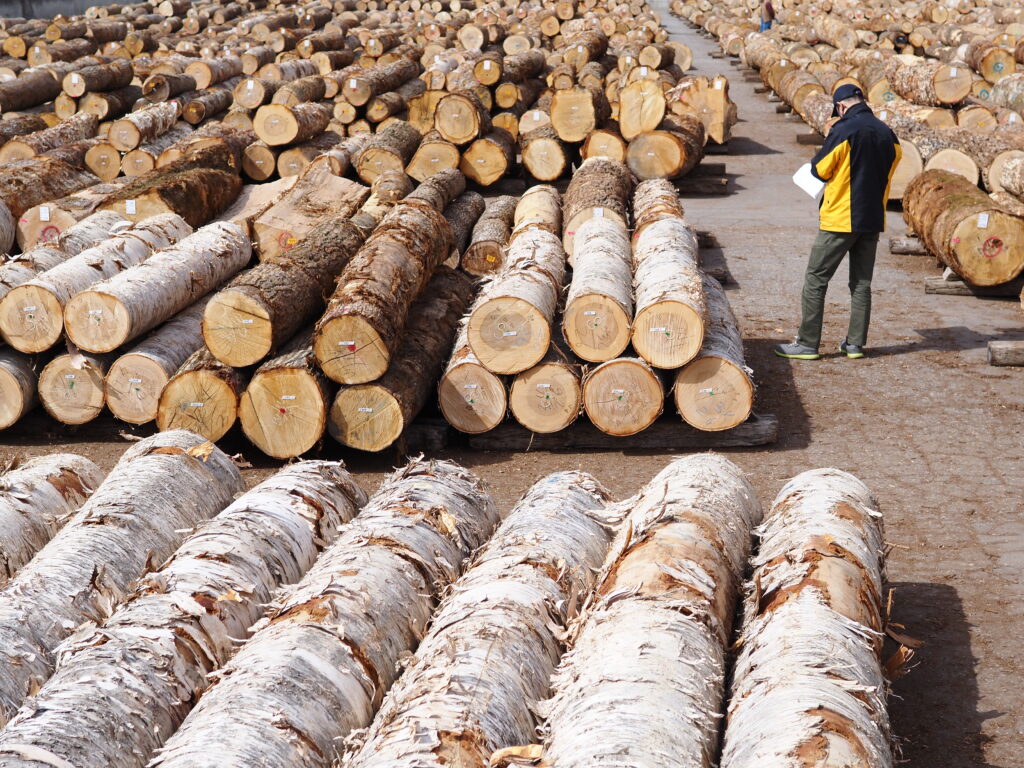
(405, 608)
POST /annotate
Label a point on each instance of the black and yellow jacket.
(857, 163)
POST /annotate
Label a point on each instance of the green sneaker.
(796, 351)
(852, 350)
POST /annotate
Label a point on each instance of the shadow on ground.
(777, 393)
(951, 338)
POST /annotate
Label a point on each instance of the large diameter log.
(549, 396)
(434, 154)
(202, 397)
(266, 539)
(207, 72)
(930, 83)
(279, 125)
(32, 314)
(669, 152)
(145, 125)
(44, 223)
(134, 518)
(27, 183)
(599, 188)
(76, 128)
(100, 77)
(36, 499)
(123, 307)
(390, 149)
(341, 631)
(489, 158)
(13, 126)
(715, 390)
(646, 668)
(371, 417)
(135, 380)
(460, 118)
(964, 228)
(510, 324)
(623, 396)
(576, 112)
(71, 387)
(641, 108)
(542, 561)
(471, 398)
(599, 306)
(486, 251)
(361, 330)
(818, 613)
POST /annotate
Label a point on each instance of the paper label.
(718, 85)
(952, 72)
(44, 213)
(247, 321)
(75, 79)
(543, 386)
(95, 311)
(129, 206)
(134, 381)
(29, 309)
(618, 391)
(366, 410)
(589, 313)
(352, 83)
(982, 221)
(250, 85)
(196, 405)
(487, 65)
(287, 397)
(471, 386)
(69, 375)
(510, 333)
(658, 330)
(643, 71)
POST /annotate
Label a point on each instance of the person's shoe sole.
(797, 357)
(855, 355)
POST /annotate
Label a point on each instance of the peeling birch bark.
(642, 686)
(120, 689)
(319, 666)
(808, 688)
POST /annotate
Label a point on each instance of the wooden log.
(312, 88)
(360, 88)
(104, 160)
(68, 131)
(280, 125)
(599, 188)
(207, 72)
(71, 387)
(542, 561)
(510, 324)
(291, 69)
(930, 83)
(576, 112)
(545, 157)
(294, 160)
(471, 398)
(253, 92)
(802, 585)
(1006, 353)
(390, 149)
(32, 314)
(202, 396)
(605, 142)
(259, 161)
(27, 183)
(462, 215)
(13, 126)
(28, 90)
(19, 383)
(549, 396)
(460, 118)
(623, 396)
(100, 77)
(660, 686)
(89, 566)
(434, 154)
(394, 102)
(143, 158)
(335, 632)
(254, 200)
(964, 228)
(145, 125)
(109, 105)
(45, 223)
(1011, 176)
(642, 107)
(540, 207)
(204, 105)
(489, 158)
(672, 151)
(907, 245)
(372, 416)
(161, 87)
(715, 391)
(486, 251)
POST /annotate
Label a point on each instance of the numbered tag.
(129, 207)
(44, 213)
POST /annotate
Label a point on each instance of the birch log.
(32, 314)
(715, 391)
(549, 396)
(599, 306)
(161, 487)
(44, 223)
(539, 207)
(19, 385)
(211, 590)
(471, 398)
(126, 305)
(812, 633)
(623, 396)
(646, 671)
(496, 639)
(599, 188)
(201, 396)
(71, 386)
(341, 631)
(510, 323)
(36, 500)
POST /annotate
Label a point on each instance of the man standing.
(857, 162)
(767, 15)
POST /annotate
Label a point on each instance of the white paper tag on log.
(487, 65)
(543, 386)
(470, 386)
(352, 83)
(618, 391)
(366, 410)
(510, 333)
(44, 213)
(134, 381)
(129, 206)
(952, 72)
(75, 78)
(643, 71)
(599, 213)
(982, 221)
(718, 85)
(287, 397)
(195, 405)
(250, 85)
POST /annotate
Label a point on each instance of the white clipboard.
(808, 182)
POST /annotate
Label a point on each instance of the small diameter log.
(135, 380)
(623, 396)
(462, 215)
(576, 112)
(540, 207)
(28, 90)
(99, 77)
(305, 89)
(389, 150)
(715, 391)
(489, 158)
(32, 314)
(653, 201)
(104, 161)
(549, 396)
(486, 251)
(668, 328)
(44, 223)
(19, 384)
(672, 151)
(646, 671)
(123, 307)
(201, 397)
(259, 161)
(361, 330)
(964, 228)
(74, 129)
(143, 159)
(266, 539)
(812, 631)
(496, 639)
(434, 154)
(36, 499)
(394, 102)
(545, 157)
(599, 306)
(471, 398)
(142, 126)
(341, 631)
(279, 125)
(294, 160)
(510, 324)
(371, 417)
(598, 188)
(135, 518)
(460, 118)
(207, 104)
(361, 87)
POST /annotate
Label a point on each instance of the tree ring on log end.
(350, 351)
(508, 335)
(712, 394)
(237, 329)
(668, 334)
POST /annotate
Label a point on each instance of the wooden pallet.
(1006, 353)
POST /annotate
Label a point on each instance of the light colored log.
(45, 222)
(19, 383)
(623, 396)
(145, 125)
(202, 396)
(471, 398)
(599, 187)
(549, 396)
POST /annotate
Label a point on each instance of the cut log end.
(71, 391)
(237, 328)
(623, 397)
(713, 394)
(31, 319)
(283, 412)
(668, 334)
(547, 398)
(508, 335)
(96, 322)
(472, 399)
(350, 351)
(366, 417)
(199, 401)
(133, 386)
(596, 327)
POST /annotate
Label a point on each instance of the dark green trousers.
(826, 256)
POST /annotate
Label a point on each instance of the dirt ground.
(924, 421)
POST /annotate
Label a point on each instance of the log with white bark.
(510, 323)
(19, 384)
(37, 498)
(812, 633)
(123, 307)
(599, 306)
(342, 630)
(211, 590)
(599, 188)
(623, 396)
(161, 488)
(540, 207)
(471, 398)
(497, 637)
(32, 314)
(201, 396)
(645, 675)
(71, 387)
(45, 222)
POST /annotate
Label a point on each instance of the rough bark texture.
(211, 590)
(25, 183)
(599, 185)
(462, 215)
(390, 149)
(45, 223)
(812, 632)
(145, 125)
(76, 128)
(202, 396)
(486, 251)
(341, 630)
(136, 517)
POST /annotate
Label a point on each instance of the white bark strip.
(36, 499)
(808, 686)
(643, 683)
(496, 639)
(162, 487)
(320, 666)
(120, 689)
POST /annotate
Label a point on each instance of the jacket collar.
(858, 109)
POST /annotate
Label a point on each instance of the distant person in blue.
(767, 15)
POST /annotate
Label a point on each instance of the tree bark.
(462, 215)
(144, 158)
(74, 129)
(100, 77)
(27, 183)
(19, 385)
(672, 151)
(280, 125)
(486, 251)
(599, 188)
(341, 630)
(390, 149)
(540, 207)
(145, 125)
